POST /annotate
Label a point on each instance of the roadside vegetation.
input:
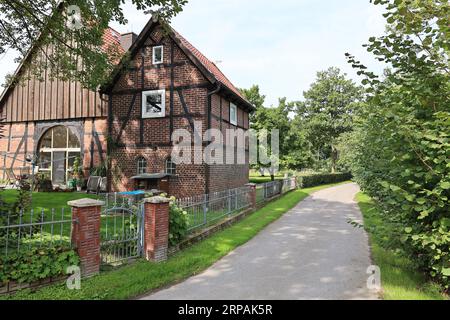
(142, 277)
(400, 278)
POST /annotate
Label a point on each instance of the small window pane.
(157, 55)
(45, 160)
(154, 103)
(233, 114)
(141, 166)
(73, 140)
(46, 141)
(171, 167)
(60, 137)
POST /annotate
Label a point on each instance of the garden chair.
(103, 185)
(11, 178)
(93, 184)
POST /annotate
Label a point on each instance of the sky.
(279, 45)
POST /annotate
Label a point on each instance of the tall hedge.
(314, 180)
(401, 145)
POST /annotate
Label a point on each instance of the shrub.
(36, 264)
(178, 224)
(318, 179)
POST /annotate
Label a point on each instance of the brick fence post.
(156, 228)
(86, 234)
(252, 187)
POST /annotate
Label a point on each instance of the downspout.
(209, 112)
(109, 144)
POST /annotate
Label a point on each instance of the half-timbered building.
(166, 84)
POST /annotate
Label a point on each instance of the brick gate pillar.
(252, 187)
(86, 234)
(156, 228)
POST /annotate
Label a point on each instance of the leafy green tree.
(401, 144)
(254, 96)
(327, 111)
(62, 34)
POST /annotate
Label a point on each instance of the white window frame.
(154, 55)
(141, 164)
(161, 114)
(234, 121)
(172, 169)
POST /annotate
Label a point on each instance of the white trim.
(161, 114)
(234, 121)
(153, 55)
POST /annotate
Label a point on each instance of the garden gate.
(122, 229)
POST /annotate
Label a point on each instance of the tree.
(65, 32)
(254, 96)
(401, 147)
(275, 118)
(327, 111)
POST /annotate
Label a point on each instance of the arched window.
(141, 165)
(58, 149)
(171, 167)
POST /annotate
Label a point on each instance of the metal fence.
(266, 191)
(206, 209)
(121, 231)
(25, 230)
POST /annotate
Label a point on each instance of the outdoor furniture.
(93, 184)
(11, 178)
(103, 186)
(97, 184)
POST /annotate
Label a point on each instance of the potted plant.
(78, 173)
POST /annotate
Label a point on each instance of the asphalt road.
(312, 252)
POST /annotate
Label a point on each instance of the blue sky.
(279, 45)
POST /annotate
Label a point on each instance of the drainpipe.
(209, 112)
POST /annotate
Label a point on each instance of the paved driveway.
(312, 252)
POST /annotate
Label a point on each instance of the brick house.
(166, 85)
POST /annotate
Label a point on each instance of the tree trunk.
(334, 156)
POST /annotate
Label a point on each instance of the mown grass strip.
(399, 279)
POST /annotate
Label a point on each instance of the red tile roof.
(112, 38)
(208, 64)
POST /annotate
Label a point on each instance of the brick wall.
(19, 140)
(150, 138)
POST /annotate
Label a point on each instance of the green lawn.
(47, 200)
(400, 280)
(142, 276)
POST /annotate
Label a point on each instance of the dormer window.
(158, 55)
(154, 104)
(233, 114)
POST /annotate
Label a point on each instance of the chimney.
(127, 39)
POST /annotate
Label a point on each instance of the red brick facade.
(189, 97)
(86, 215)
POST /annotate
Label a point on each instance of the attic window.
(233, 114)
(154, 104)
(158, 55)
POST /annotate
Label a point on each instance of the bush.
(178, 224)
(36, 264)
(319, 179)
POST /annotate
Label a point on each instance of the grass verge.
(400, 280)
(141, 277)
